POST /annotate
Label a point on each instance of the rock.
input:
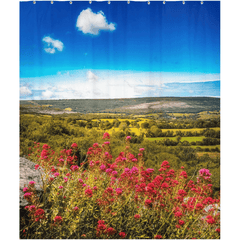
(27, 174)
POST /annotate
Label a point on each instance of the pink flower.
(111, 231)
(31, 183)
(80, 180)
(60, 187)
(74, 168)
(95, 145)
(148, 202)
(181, 222)
(56, 174)
(150, 170)
(165, 164)
(27, 195)
(74, 145)
(137, 216)
(184, 174)
(36, 167)
(106, 135)
(118, 191)
(32, 208)
(106, 143)
(45, 146)
(141, 149)
(61, 160)
(75, 208)
(89, 192)
(134, 160)
(102, 167)
(58, 219)
(178, 214)
(128, 138)
(122, 234)
(25, 189)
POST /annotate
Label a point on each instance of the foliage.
(119, 197)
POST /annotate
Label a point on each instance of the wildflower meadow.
(109, 198)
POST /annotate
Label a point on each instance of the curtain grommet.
(128, 2)
(51, 2)
(201, 2)
(164, 2)
(148, 2)
(183, 2)
(109, 2)
(90, 2)
(34, 2)
(70, 2)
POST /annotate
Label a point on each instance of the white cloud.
(25, 91)
(92, 77)
(51, 45)
(93, 23)
(47, 94)
(102, 84)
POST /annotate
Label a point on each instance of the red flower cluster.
(122, 234)
(39, 214)
(89, 192)
(210, 219)
(74, 145)
(58, 219)
(101, 227)
(106, 135)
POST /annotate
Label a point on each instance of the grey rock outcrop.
(27, 174)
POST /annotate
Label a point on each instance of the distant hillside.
(127, 105)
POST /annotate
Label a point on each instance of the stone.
(27, 174)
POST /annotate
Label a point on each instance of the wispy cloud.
(92, 23)
(25, 91)
(51, 45)
(96, 84)
(47, 94)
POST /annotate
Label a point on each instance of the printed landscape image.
(119, 120)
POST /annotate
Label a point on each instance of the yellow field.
(205, 115)
(46, 105)
(190, 129)
(210, 154)
(68, 109)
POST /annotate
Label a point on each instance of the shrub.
(117, 198)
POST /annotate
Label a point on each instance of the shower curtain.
(119, 119)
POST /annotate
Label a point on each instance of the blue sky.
(119, 50)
